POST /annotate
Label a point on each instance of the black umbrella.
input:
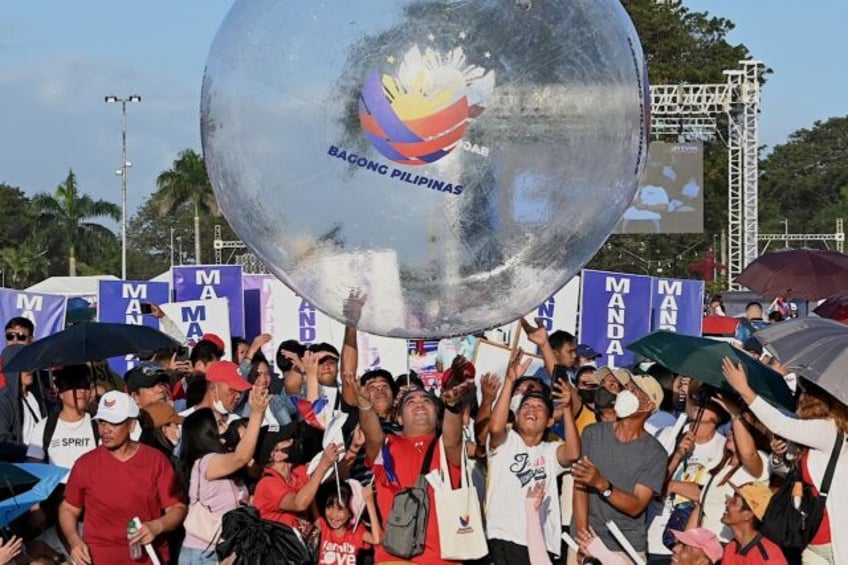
(807, 274)
(256, 542)
(14, 480)
(88, 341)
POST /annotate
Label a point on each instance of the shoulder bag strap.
(831, 465)
(199, 478)
(421, 482)
(444, 467)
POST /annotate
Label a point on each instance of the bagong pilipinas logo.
(464, 520)
(420, 114)
(110, 402)
(465, 525)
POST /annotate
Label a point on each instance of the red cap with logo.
(228, 373)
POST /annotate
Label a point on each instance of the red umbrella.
(835, 308)
(798, 273)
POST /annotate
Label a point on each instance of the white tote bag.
(461, 533)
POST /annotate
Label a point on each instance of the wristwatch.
(607, 492)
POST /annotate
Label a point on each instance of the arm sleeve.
(535, 537)
(35, 450)
(817, 434)
(652, 473)
(75, 489)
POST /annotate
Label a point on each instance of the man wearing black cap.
(147, 383)
(518, 459)
(61, 439)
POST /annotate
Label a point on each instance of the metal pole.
(124, 191)
(172, 248)
(786, 233)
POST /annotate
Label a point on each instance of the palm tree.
(23, 263)
(67, 214)
(187, 181)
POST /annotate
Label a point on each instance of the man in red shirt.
(119, 480)
(742, 514)
(397, 459)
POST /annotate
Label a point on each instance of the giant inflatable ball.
(453, 162)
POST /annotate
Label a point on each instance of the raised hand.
(258, 399)
(458, 395)
(537, 493)
(563, 393)
(537, 334)
(489, 385)
(352, 306)
(517, 367)
(350, 382)
(310, 364)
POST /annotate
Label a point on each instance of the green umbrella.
(700, 358)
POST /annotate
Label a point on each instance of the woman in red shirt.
(285, 492)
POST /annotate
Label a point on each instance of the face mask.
(515, 402)
(587, 396)
(218, 406)
(626, 404)
(604, 398)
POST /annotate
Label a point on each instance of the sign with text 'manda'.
(45, 311)
(206, 282)
(119, 302)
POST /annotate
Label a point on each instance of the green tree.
(66, 215)
(187, 181)
(15, 208)
(149, 243)
(23, 264)
(805, 180)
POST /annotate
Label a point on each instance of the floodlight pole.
(123, 173)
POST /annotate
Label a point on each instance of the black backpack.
(50, 429)
(406, 526)
(792, 527)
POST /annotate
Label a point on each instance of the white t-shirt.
(696, 469)
(513, 469)
(713, 500)
(70, 441)
(32, 415)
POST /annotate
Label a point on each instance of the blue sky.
(58, 59)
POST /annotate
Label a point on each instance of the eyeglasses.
(16, 336)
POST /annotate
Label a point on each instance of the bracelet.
(454, 408)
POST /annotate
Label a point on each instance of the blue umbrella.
(48, 477)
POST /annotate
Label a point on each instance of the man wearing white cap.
(116, 482)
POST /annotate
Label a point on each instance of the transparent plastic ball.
(454, 162)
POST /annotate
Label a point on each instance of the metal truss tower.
(690, 111)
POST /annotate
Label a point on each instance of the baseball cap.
(72, 376)
(269, 437)
(586, 351)
(623, 376)
(145, 375)
(214, 338)
(592, 373)
(115, 407)
(756, 495)
(228, 373)
(702, 539)
(162, 413)
(650, 386)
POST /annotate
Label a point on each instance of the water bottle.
(135, 548)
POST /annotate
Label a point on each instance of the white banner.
(287, 316)
(197, 317)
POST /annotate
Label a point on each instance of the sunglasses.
(16, 336)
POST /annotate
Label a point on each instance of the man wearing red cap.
(224, 386)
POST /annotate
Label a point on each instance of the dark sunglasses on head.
(16, 336)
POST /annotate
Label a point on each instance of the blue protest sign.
(678, 305)
(615, 309)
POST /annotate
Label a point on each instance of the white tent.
(85, 287)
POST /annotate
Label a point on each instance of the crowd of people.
(301, 459)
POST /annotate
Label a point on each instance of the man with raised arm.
(519, 458)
